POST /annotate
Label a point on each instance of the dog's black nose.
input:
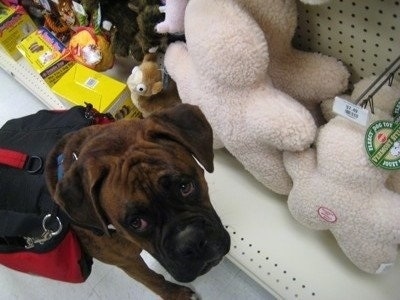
(191, 242)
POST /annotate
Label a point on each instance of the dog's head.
(143, 177)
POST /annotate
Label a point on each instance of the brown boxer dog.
(140, 177)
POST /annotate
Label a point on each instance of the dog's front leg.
(156, 282)
(115, 250)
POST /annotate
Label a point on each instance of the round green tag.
(382, 142)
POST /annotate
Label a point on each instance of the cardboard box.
(81, 84)
(15, 25)
(46, 54)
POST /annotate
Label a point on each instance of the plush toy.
(384, 102)
(223, 69)
(67, 14)
(147, 39)
(91, 49)
(134, 22)
(337, 188)
(174, 11)
(308, 77)
(150, 88)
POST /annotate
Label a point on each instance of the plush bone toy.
(384, 102)
(223, 69)
(336, 188)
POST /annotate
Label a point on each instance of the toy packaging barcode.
(91, 82)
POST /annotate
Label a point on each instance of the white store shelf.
(30, 79)
(289, 260)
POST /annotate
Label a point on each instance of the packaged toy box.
(81, 84)
(15, 24)
(47, 55)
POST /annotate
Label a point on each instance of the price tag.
(351, 111)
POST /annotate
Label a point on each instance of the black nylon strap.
(19, 224)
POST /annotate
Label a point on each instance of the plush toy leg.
(307, 77)
(180, 67)
(267, 169)
(366, 253)
(280, 121)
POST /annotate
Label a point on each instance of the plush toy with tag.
(174, 11)
(223, 69)
(386, 103)
(150, 89)
(336, 187)
(133, 21)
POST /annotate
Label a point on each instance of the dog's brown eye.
(187, 188)
(139, 224)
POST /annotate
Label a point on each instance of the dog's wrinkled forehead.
(154, 166)
(180, 128)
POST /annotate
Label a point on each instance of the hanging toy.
(66, 11)
(91, 49)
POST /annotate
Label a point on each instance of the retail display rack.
(289, 260)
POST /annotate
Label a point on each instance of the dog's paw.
(179, 293)
(195, 296)
(185, 293)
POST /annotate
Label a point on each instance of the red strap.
(13, 158)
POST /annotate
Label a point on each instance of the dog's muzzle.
(191, 247)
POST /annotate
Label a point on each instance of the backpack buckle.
(34, 164)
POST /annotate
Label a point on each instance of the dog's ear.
(78, 194)
(186, 125)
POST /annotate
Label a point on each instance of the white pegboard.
(364, 34)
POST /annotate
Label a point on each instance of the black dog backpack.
(35, 236)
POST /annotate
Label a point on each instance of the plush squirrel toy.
(336, 187)
(150, 89)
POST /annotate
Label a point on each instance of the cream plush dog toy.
(223, 69)
(337, 188)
